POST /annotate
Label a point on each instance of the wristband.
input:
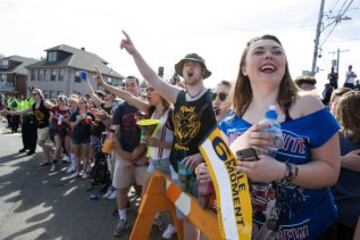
(291, 172)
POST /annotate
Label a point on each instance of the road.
(38, 205)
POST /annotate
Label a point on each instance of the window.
(109, 80)
(3, 78)
(60, 93)
(45, 94)
(33, 75)
(51, 94)
(77, 77)
(61, 75)
(52, 56)
(41, 75)
(4, 64)
(47, 74)
(53, 74)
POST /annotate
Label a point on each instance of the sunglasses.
(150, 89)
(222, 96)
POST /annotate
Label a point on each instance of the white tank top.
(163, 134)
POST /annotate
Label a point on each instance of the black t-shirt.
(126, 116)
(82, 130)
(192, 122)
(42, 114)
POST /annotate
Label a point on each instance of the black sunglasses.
(222, 96)
(150, 89)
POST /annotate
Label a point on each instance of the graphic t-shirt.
(41, 114)
(58, 114)
(126, 116)
(192, 122)
(303, 213)
(347, 190)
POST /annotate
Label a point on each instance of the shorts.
(59, 132)
(162, 165)
(80, 141)
(43, 134)
(125, 176)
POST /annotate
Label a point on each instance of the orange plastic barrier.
(163, 195)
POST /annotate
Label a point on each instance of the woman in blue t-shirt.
(298, 177)
(347, 190)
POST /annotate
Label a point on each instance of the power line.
(337, 19)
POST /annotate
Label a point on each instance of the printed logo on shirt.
(187, 126)
(39, 116)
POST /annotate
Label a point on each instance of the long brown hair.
(348, 116)
(243, 92)
(40, 92)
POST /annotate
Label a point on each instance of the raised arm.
(98, 101)
(48, 104)
(168, 91)
(128, 97)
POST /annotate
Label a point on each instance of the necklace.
(196, 95)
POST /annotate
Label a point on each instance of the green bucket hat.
(191, 57)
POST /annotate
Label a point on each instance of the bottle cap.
(271, 113)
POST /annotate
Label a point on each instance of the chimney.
(82, 48)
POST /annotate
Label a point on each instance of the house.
(14, 75)
(59, 72)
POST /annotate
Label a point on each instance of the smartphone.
(247, 154)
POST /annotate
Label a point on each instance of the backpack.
(100, 173)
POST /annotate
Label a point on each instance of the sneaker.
(70, 169)
(31, 152)
(112, 195)
(121, 228)
(169, 231)
(65, 159)
(53, 167)
(108, 192)
(22, 150)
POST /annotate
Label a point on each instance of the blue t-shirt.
(303, 213)
(347, 190)
(126, 116)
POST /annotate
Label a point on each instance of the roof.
(79, 59)
(20, 69)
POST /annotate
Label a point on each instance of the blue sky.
(164, 31)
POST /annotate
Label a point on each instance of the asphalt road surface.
(36, 204)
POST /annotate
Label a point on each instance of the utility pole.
(338, 51)
(317, 37)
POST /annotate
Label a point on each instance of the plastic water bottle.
(274, 128)
(269, 228)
